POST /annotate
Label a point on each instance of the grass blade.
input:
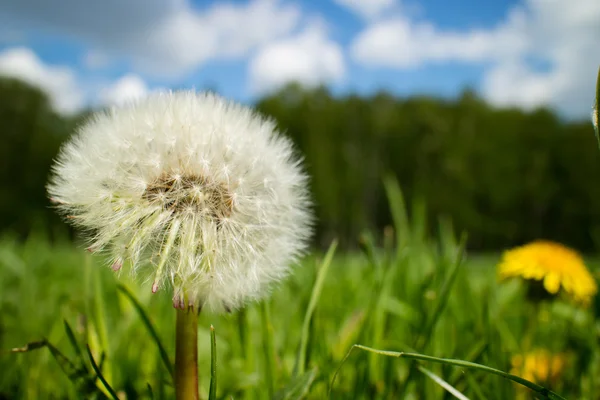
(377, 314)
(79, 376)
(65, 364)
(149, 391)
(540, 390)
(449, 388)
(299, 387)
(472, 356)
(419, 219)
(99, 316)
(348, 333)
(111, 391)
(314, 299)
(398, 209)
(30, 347)
(446, 236)
(146, 320)
(444, 294)
(427, 332)
(267, 333)
(212, 392)
(596, 111)
(74, 344)
(475, 387)
(247, 349)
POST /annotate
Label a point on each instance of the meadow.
(407, 289)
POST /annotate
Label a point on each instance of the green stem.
(596, 116)
(186, 355)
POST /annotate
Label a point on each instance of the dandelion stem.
(186, 355)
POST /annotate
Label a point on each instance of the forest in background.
(506, 176)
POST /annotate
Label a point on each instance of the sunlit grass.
(414, 292)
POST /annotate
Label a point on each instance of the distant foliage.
(506, 176)
(30, 136)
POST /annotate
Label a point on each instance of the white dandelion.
(195, 192)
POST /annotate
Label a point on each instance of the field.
(412, 292)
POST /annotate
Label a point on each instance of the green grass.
(413, 293)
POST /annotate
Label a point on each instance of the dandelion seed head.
(190, 190)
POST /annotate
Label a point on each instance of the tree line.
(506, 176)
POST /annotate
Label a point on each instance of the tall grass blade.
(30, 347)
(110, 390)
(74, 344)
(427, 332)
(475, 387)
(149, 391)
(376, 313)
(267, 334)
(539, 390)
(298, 387)
(212, 392)
(447, 236)
(472, 356)
(444, 294)
(419, 219)
(99, 317)
(367, 246)
(300, 366)
(348, 334)
(64, 362)
(448, 387)
(246, 347)
(150, 327)
(596, 111)
(398, 209)
(242, 325)
(79, 376)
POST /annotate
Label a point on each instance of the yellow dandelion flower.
(538, 366)
(552, 264)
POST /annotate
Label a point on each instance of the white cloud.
(68, 93)
(60, 83)
(127, 88)
(367, 8)
(545, 52)
(564, 38)
(402, 43)
(162, 36)
(309, 58)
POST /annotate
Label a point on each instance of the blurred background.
(482, 111)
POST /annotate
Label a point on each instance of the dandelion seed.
(117, 265)
(198, 194)
(176, 302)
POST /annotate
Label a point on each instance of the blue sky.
(524, 53)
